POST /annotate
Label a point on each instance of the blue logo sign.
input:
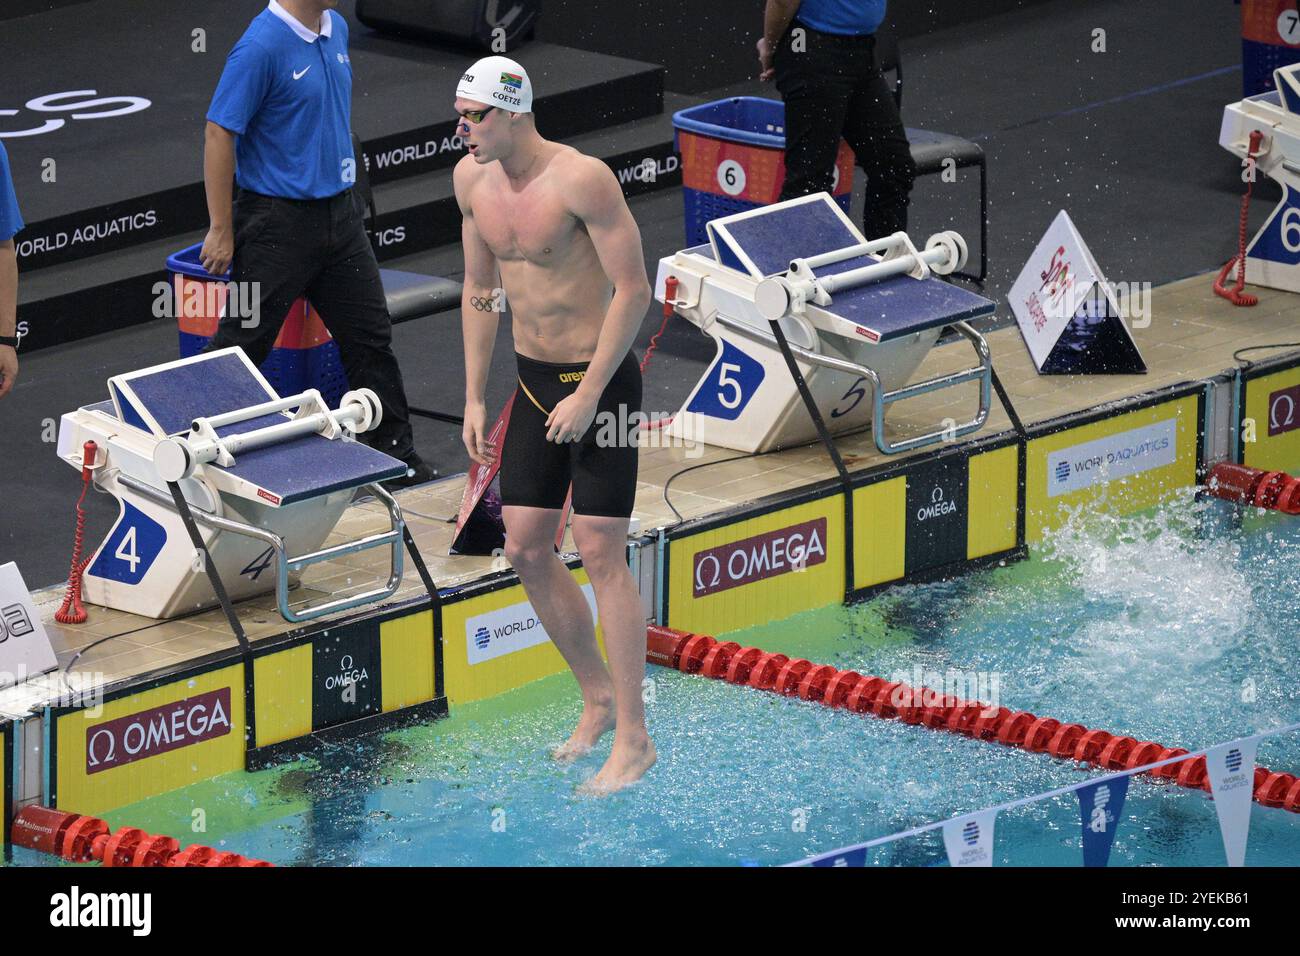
(131, 549)
(971, 833)
(481, 637)
(857, 857)
(1099, 808)
(728, 386)
(1062, 470)
(1233, 760)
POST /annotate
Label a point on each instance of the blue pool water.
(1178, 625)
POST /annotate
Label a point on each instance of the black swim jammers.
(536, 473)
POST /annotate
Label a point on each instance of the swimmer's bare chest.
(555, 287)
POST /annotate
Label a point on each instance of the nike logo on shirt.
(299, 76)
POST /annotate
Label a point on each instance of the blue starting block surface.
(761, 243)
(165, 399)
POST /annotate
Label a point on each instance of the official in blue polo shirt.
(821, 53)
(11, 221)
(280, 128)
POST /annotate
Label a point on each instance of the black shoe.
(418, 472)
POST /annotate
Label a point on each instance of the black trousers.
(832, 89)
(318, 247)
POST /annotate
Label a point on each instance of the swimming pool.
(1174, 625)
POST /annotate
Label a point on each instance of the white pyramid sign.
(1061, 287)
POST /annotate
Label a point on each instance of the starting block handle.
(982, 373)
(176, 458)
(873, 247)
(311, 397)
(392, 538)
(780, 295)
(944, 253)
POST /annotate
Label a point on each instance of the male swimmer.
(553, 225)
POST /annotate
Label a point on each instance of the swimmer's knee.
(528, 554)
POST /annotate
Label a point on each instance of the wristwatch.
(9, 340)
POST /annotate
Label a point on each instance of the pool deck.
(1191, 335)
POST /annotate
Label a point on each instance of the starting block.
(859, 316)
(206, 441)
(1273, 256)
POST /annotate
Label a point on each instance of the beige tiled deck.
(1192, 335)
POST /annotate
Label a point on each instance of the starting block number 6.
(1291, 226)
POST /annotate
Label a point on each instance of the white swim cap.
(497, 81)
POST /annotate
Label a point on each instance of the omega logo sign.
(1283, 414)
(348, 674)
(763, 556)
(158, 730)
(937, 507)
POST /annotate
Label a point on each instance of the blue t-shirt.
(846, 17)
(11, 221)
(287, 94)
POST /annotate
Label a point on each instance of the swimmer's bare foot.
(627, 763)
(597, 718)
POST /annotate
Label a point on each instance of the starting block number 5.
(728, 386)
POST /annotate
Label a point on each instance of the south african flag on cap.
(512, 80)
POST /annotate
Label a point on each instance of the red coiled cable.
(1235, 295)
(71, 611)
(670, 291)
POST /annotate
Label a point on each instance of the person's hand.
(218, 250)
(474, 435)
(8, 369)
(765, 68)
(571, 417)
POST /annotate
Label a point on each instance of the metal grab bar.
(983, 372)
(284, 562)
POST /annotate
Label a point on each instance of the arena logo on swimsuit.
(727, 566)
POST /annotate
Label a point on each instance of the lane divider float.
(82, 839)
(864, 694)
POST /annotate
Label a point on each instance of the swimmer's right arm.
(480, 311)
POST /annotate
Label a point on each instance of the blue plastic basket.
(289, 370)
(755, 125)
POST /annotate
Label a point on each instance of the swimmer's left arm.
(598, 202)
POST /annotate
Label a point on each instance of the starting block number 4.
(131, 549)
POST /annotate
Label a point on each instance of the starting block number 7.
(1288, 26)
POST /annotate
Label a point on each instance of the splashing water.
(1175, 625)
